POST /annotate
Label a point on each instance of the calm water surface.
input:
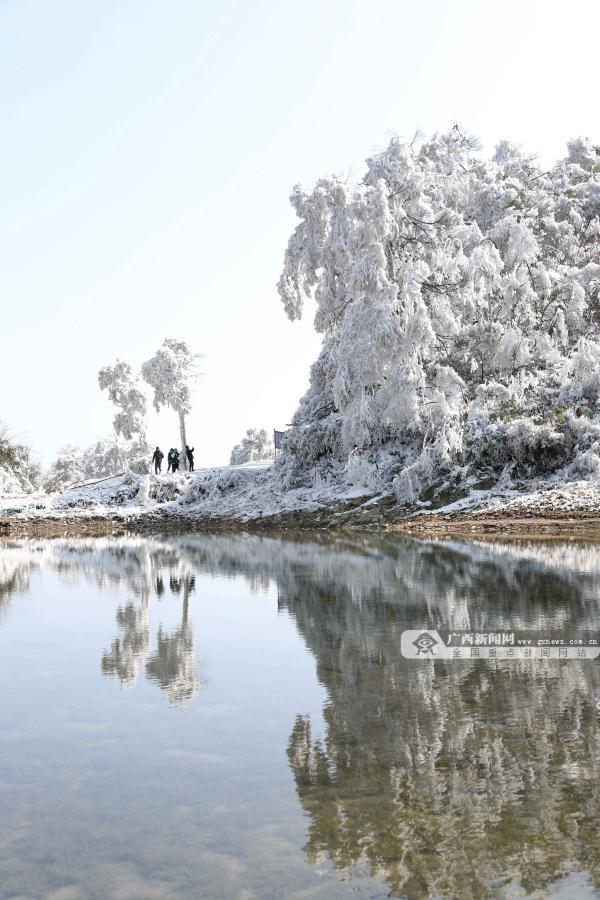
(230, 717)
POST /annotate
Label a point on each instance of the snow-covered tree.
(170, 373)
(459, 302)
(67, 468)
(18, 474)
(125, 392)
(100, 460)
(254, 446)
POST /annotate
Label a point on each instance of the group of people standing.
(173, 458)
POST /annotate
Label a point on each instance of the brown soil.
(52, 527)
(383, 515)
(572, 525)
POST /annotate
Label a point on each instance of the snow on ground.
(571, 497)
(250, 491)
(11, 484)
(529, 500)
(241, 492)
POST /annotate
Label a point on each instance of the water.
(230, 717)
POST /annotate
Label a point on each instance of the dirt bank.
(61, 527)
(471, 525)
(362, 514)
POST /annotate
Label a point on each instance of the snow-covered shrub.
(138, 464)
(410, 483)
(361, 471)
(320, 478)
(213, 486)
(255, 446)
(143, 494)
(99, 460)
(127, 490)
(459, 302)
(533, 447)
(586, 465)
(18, 475)
(66, 469)
(168, 488)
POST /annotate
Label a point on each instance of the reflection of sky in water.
(229, 717)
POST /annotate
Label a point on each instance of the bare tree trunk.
(183, 440)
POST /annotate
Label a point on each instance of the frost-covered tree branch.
(18, 474)
(125, 392)
(454, 294)
(171, 373)
(255, 446)
(100, 460)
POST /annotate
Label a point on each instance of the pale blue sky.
(149, 149)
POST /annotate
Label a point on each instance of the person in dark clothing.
(175, 463)
(157, 459)
(189, 452)
(170, 460)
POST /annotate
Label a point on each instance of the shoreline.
(245, 500)
(467, 524)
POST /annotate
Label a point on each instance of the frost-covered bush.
(99, 460)
(361, 471)
(213, 486)
(255, 446)
(410, 482)
(66, 469)
(18, 475)
(532, 447)
(459, 302)
(123, 491)
(167, 488)
(586, 464)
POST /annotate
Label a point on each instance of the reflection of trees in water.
(172, 666)
(149, 568)
(443, 582)
(126, 652)
(448, 778)
(446, 580)
(443, 778)
(14, 575)
(144, 568)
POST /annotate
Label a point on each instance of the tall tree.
(170, 373)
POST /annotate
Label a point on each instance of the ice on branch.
(255, 446)
(171, 373)
(18, 474)
(100, 460)
(459, 303)
(125, 392)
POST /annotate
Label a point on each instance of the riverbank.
(381, 516)
(244, 499)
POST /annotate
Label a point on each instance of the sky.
(149, 149)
